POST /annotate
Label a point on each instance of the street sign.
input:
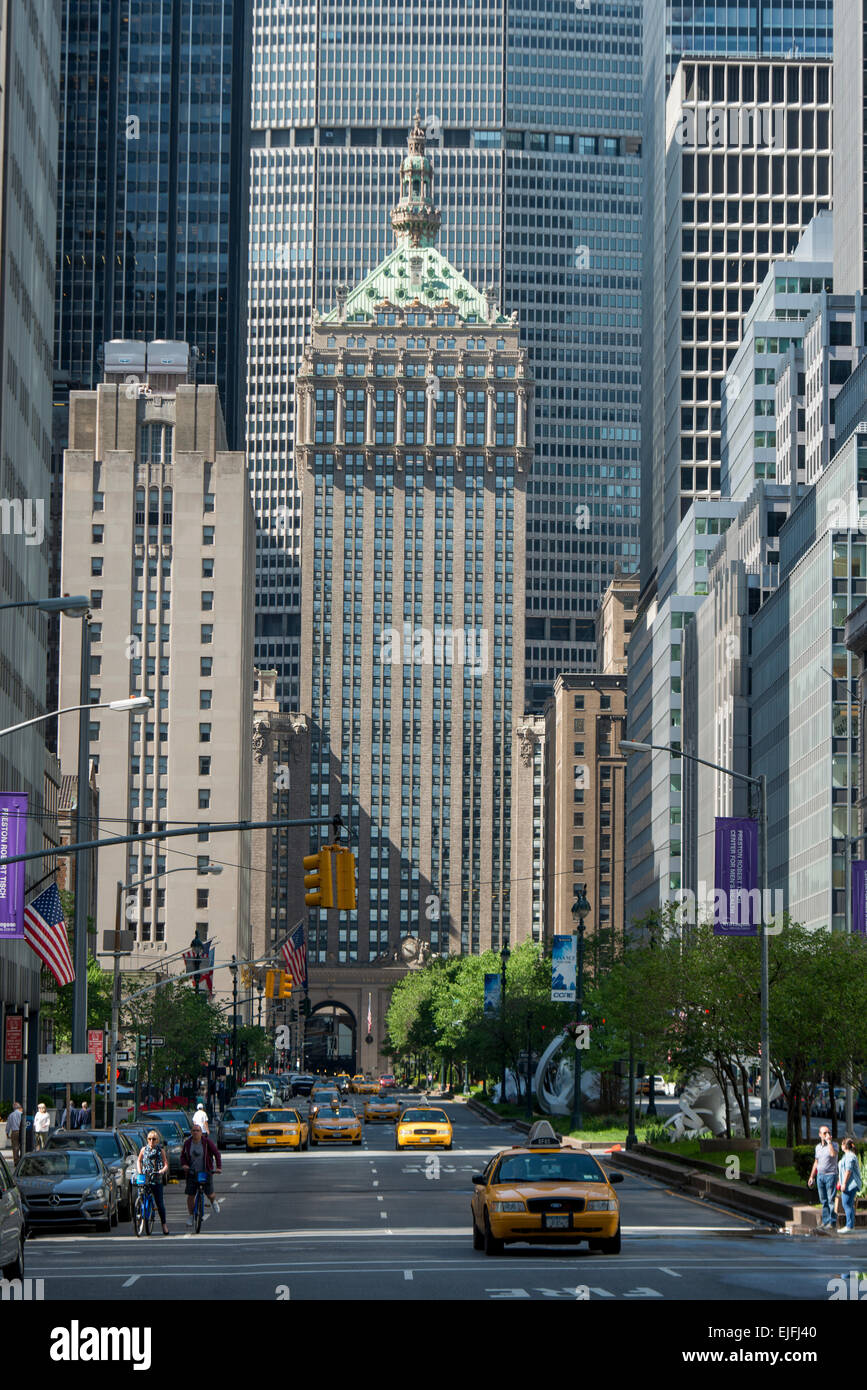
(122, 943)
(158, 1042)
(95, 1044)
(14, 1049)
(122, 1057)
(55, 1068)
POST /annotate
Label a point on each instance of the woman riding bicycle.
(200, 1155)
(154, 1165)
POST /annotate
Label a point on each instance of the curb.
(776, 1211)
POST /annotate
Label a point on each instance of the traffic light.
(286, 983)
(318, 880)
(293, 1015)
(345, 879)
(306, 1007)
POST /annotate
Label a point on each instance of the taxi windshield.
(343, 1113)
(274, 1117)
(549, 1167)
(438, 1117)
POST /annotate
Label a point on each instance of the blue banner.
(859, 897)
(737, 899)
(493, 995)
(13, 840)
(564, 958)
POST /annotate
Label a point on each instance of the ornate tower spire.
(415, 219)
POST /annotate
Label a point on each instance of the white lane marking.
(376, 1184)
(246, 1170)
(130, 1281)
(674, 1274)
(380, 1199)
(407, 1274)
(234, 1184)
(384, 1215)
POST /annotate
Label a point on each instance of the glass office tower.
(533, 120)
(671, 31)
(152, 187)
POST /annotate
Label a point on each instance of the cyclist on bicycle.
(200, 1155)
(154, 1164)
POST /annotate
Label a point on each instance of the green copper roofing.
(415, 270)
(415, 273)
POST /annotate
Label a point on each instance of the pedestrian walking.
(201, 1119)
(84, 1116)
(848, 1183)
(13, 1131)
(41, 1124)
(824, 1171)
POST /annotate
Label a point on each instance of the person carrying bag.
(848, 1186)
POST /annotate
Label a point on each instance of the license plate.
(555, 1223)
(272, 1141)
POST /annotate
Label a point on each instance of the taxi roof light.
(543, 1136)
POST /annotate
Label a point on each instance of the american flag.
(194, 960)
(294, 952)
(45, 933)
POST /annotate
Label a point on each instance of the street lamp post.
(529, 1065)
(765, 1160)
(580, 908)
(504, 958)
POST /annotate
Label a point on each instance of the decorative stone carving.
(527, 745)
(261, 733)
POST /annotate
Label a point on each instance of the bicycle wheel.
(150, 1213)
(139, 1216)
(198, 1210)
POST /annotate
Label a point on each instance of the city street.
(372, 1224)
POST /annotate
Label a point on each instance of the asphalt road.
(371, 1224)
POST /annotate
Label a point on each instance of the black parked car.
(117, 1152)
(183, 1118)
(303, 1085)
(171, 1134)
(66, 1184)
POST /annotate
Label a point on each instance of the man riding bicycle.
(200, 1155)
(153, 1163)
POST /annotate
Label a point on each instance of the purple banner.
(13, 840)
(737, 899)
(859, 897)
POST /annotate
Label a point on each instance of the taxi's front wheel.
(608, 1247)
(478, 1238)
(490, 1243)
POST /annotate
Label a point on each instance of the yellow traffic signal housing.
(319, 881)
(345, 880)
(272, 984)
(286, 983)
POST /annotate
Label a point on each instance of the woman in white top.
(41, 1124)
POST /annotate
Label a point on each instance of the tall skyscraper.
(850, 163)
(29, 108)
(158, 529)
(152, 187)
(414, 442)
(533, 121)
(672, 31)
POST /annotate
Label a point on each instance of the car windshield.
(549, 1167)
(438, 1117)
(274, 1117)
(169, 1129)
(105, 1144)
(241, 1116)
(343, 1112)
(59, 1164)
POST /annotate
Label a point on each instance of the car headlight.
(508, 1206)
(602, 1204)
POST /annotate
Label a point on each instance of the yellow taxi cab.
(541, 1193)
(423, 1126)
(337, 1126)
(356, 1081)
(381, 1108)
(277, 1129)
(366, 1087)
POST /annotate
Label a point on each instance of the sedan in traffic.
(277, 1129)
(117, 1152)
(425, 1127)
(381, 1108)
(64, 1185)
(233, 1125)
(339, 1126)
